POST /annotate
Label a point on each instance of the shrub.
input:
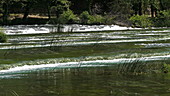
(141, 21)
(163, 19)
(96, 19)
(109, 19)
(84, 17)
(68, 17)
(3, 37)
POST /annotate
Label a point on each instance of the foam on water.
(72, 43)
(60, 65)
(21, 29)
(85, 38)
(96, 63)
(151, 45)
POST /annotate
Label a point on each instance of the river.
(37, 61)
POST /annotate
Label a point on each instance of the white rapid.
(29, 49)
(37, 29)
(95, 63)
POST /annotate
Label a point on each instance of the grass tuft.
(3, 37)
(137, 67)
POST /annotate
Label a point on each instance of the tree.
(120, 8)
(46, 6)
(27, 5)
(5, 10)
(60, 6)
(90, 2)
(164, 5)
(5, 6)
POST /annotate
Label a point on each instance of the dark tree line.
(117, 8)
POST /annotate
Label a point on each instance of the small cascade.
(29, 49)
(39, 29)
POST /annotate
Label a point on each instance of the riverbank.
(17, 19)
(143, 21)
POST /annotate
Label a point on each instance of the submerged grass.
(138, 66)
(132, 66)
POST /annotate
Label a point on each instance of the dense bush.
(163, 19)
(96, 19)
(109, 19)
(3, 37)
(68, 17)
(141, 21)
(84, 17)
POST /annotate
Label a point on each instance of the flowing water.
(37, 61)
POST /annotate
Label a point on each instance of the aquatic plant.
(132, 66)
(166, 68)
(139, 66)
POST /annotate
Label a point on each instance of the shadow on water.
(100, 81)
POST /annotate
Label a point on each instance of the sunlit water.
(34, 29)
(37, 61)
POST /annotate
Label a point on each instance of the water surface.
(83, 63)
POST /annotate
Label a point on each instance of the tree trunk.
(26, 13)
(152, 10)
(140, 7)
(5, 12)
(90, 6)
(49, 12)
(161, 5)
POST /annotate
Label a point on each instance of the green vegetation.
(166, 68)
(96, 19)
(68, 17)
(163, 19)
(141, 13)
(3, 37)
(86, 18)
(141, 21)
(138, 67)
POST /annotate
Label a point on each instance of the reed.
(139, 66)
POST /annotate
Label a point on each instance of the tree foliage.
(141, 21)
(68, 17)
(119, 9)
